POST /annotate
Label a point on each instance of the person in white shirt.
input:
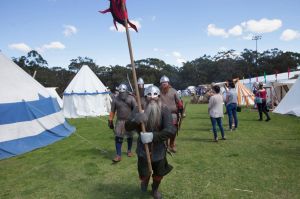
(231, 106)
(215, 109)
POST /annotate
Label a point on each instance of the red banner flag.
(256, 78)
(118, 14)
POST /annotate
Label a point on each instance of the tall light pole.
(256, 37)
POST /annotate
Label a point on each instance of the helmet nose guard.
(122, 88)
(152, 92)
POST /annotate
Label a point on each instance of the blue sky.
(172, 30)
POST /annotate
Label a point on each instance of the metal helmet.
(164, 79)
(152, 91)
(122, 88)
(140, 81)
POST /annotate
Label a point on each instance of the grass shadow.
(114, 190)
(193, 139)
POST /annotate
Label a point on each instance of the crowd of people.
(157, 124)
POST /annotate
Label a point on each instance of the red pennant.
(118, 14)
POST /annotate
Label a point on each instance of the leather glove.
(146, 137)
(110, 124)
(140, 118)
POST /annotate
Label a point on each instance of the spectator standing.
(215, 109)
(261, 95)
(231, 105)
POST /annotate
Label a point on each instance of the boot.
(144, 183)
(155, 193)
(117, 159)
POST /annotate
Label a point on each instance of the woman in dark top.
(262, 104)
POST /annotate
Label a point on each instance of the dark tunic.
(157, 148)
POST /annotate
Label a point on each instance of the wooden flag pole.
(136, 86)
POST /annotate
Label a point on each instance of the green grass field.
(259, 160)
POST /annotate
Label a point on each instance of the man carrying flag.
(160, 167)
(158, 121)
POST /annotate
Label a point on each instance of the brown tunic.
(123, 109)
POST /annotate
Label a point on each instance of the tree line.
(203, 70)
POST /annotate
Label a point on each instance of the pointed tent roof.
(85, 81)
(290, 104)
(30, 118)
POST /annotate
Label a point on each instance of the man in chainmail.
(122, 105)
(170, 98)
(158, 124)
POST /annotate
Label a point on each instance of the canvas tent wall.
(280, 89)
(30, 117)
(290, 104)
(269, 78)
(54, 94)
(245, 96)
(86, 96)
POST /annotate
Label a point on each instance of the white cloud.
(20, 46)
(121, 28)
(176, 54)
(178, 57)
(69, 30)
(262, 26)
(248, 37)
(215, 31)
(54, 45)
(236, 31)
(289, 35)
(180, 60)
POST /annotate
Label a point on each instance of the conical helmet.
(122, 88)
(152, 91)
(164, 79)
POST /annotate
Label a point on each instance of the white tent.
(30, 117)
(279, 89)
(269, 78)
(290, 104)
(86, 96)
(54, 94)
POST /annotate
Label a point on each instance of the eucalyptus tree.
(78, 62)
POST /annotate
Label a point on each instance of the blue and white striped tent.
(29, 117)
